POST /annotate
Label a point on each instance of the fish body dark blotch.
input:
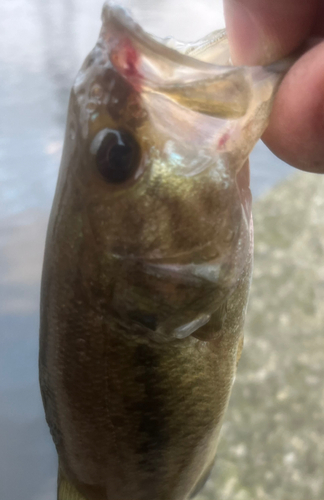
(153, 423)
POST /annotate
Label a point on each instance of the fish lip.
(122, 17)
(157, 71)
(123, 34)
(150, 65)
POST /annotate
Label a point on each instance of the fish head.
(155, 175)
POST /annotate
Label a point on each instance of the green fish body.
(148, 262)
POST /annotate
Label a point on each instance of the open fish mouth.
(197, 75)
(218, 101)
(217, 109)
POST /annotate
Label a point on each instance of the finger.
(262, 31)
(318, 29)
(296, 129)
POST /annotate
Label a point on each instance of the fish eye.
(117, 155)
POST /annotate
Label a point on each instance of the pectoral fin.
(239, 349)
(66, 490)
(202, 481)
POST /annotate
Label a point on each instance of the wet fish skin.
(143, 417)
(145, 282)
(143, 413)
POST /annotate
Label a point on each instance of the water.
(42, 44)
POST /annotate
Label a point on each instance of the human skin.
(263, 31)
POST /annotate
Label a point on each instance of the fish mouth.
(197, 75)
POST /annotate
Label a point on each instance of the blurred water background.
(42, 45)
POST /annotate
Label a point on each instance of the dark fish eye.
(118, 155)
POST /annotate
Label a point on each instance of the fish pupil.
(118, 156)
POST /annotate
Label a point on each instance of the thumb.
(262, 31)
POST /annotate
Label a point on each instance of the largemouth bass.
(148, 262)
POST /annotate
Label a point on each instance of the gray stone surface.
(272, 444)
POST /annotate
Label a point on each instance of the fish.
(148, 261)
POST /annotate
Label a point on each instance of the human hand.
(263, 31)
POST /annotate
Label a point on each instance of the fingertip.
(249, 42)
(296, 129)
(262, 31)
